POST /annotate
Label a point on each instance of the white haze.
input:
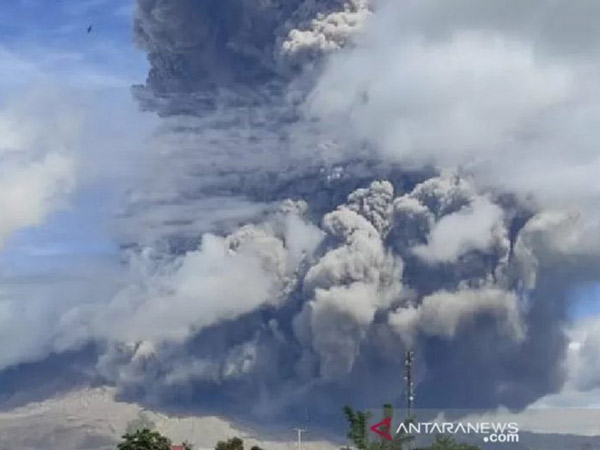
(37, 159)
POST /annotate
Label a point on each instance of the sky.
(66, 93)
(41, 38)
(48, 56)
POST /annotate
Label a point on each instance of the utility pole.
(410, 394)
(300, 431)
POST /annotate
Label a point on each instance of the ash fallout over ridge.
(333, 182)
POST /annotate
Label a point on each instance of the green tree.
(359, 435)
(357, 427)
(232, 444)
(144, 440)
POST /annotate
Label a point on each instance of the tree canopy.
(144, 440)
(234, 443)
(358, 431)
(231, 444)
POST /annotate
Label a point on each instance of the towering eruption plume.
(348, 255)
(334, 182)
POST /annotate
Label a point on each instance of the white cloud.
(583, 357)
(470, 89)
(206, 286)
(443, 313)
(472, 228)
(28, 193)
(37, 155)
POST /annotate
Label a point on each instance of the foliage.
(232, 444)
(144, 440)
(358, 431)
(357, 427)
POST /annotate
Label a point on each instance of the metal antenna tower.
(410, 393)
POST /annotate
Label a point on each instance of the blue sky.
(49, 38)
(59, 21)
(45, 43)
(585, 301)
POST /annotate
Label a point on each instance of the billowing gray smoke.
(197, 45)
(317, 311)
(317, 200)
(340, 259)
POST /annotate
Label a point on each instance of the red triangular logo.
(382, 428)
